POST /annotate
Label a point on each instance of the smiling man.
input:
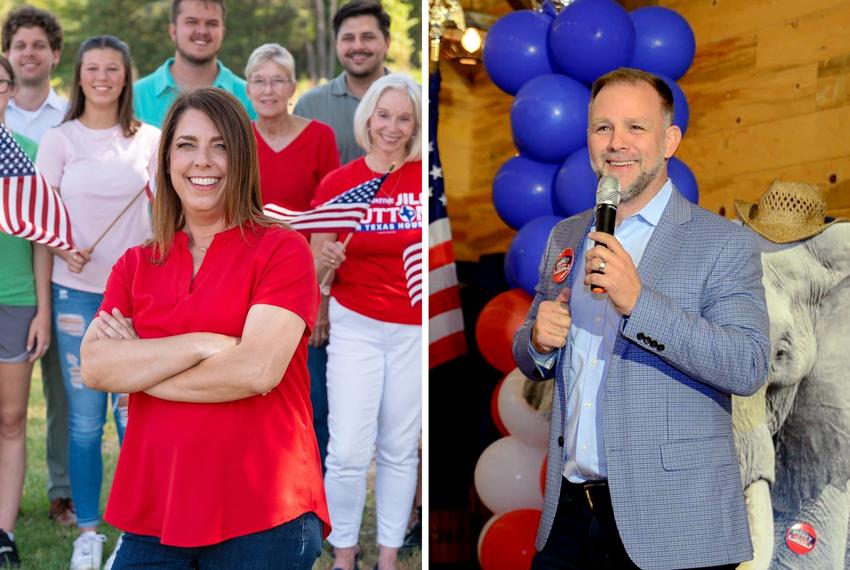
(362, 32)
(642, 470)
(197, 30)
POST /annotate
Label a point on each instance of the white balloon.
(518, 417)
(507, 476)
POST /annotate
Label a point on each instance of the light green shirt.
(17, 282)
(153, 94)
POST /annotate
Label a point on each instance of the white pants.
(374, 397)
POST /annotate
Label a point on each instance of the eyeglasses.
(5, 85)
(276, 82)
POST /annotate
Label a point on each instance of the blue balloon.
(575, 183)
(681, 111)
(590, 38)
(549, 117)
(516, 49)
(522, 191)
(683, 179)
(664, 41)
(522, 262)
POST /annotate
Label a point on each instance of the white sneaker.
(88, 551)
(111, 560)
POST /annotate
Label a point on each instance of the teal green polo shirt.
(153, 94)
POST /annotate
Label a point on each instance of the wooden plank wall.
(769, 96)
(474, 136)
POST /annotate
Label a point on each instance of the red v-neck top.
(199, 474)
(289, 177)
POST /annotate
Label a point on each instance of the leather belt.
(594, 494)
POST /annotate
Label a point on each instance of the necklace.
(200, 248)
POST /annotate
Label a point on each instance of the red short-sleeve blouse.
(199, 474)
(371, 281)
(290, 176)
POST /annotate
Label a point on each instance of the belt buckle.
(588, 487)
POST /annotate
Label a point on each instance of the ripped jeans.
(73, 311)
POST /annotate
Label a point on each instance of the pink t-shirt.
(97, 173)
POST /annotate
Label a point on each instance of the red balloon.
(509, 541)
(494, 410)
(497, 323)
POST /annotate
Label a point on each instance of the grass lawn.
(45, 545)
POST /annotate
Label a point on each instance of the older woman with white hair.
(374, 355)
(294, 154)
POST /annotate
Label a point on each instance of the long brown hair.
(128, 121)
(242, 199)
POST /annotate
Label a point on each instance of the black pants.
(585, 539)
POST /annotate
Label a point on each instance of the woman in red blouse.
(206, 327)
(295, 154)
(374, 355)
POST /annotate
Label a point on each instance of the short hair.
(242, 202)
(632, 75)
(357, 8)
(32, 17)
(7, 65)
(77, 103)
(369, 103)
(175, 8)
(271, 52)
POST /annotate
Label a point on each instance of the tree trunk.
(311, 63)
(330, 63)
(321, 33)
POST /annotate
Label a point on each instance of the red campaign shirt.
(289, 178)
(371, 281)
(199, 474)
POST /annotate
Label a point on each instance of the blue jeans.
(291, 546)
(317, 364)
(73, 311)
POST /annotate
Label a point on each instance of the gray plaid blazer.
(698, 333)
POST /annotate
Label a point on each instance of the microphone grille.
(608, 191)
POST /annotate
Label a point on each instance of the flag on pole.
(412, 259)
(342, 213)
(29, 207)
(445, 319)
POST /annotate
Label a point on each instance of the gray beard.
(641, 183)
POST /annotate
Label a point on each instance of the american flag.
(445, 319)
(412, 259)
(342, 213)
(29, 207)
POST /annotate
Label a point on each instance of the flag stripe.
(446, 349)
(443, 301)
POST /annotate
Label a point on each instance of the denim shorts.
(14, 330)
(294, 545)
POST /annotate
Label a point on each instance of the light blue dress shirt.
(594, 329)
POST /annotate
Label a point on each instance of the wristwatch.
(325, 290)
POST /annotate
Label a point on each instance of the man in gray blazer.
(642, 471)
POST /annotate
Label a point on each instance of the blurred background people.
(374, 355)
(24, 338)
(294, 154)
(197, 30)
(32, 41)
(362, 33)
(100, 159)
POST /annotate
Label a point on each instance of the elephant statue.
(793, 436)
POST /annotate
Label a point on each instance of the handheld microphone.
(607, 200)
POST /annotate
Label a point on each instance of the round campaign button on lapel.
(801, 538)
(563, 266)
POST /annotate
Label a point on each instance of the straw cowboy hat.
(788, 211)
